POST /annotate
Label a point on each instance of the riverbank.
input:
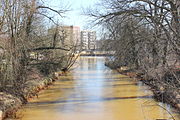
(162, 92)
(10, 102)
(164, 83)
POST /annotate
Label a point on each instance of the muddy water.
(91, 91)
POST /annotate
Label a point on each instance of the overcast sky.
(73, 17)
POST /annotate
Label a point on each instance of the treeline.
(145, 35)
(26, 45)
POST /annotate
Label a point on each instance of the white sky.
(75, 16)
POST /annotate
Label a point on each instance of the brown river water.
(91, 91)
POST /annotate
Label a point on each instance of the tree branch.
(56, 11)
(49, 48)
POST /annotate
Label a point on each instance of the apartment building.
(71, 35)
(88, 40)
(84, 40)
(68, 35)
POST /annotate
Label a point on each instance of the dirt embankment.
(165, 90)
(10, 103)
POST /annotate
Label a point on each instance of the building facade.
(84, 40)
(72, 36)
(88, 40)
(68, 35)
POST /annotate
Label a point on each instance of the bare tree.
(145, 35)
(21, 33)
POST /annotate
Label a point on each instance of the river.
(91, 91)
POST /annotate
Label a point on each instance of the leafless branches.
(144, 35)
(26, 42)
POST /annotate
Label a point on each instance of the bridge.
(97, 53)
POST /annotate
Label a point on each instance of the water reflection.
(94, 92)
